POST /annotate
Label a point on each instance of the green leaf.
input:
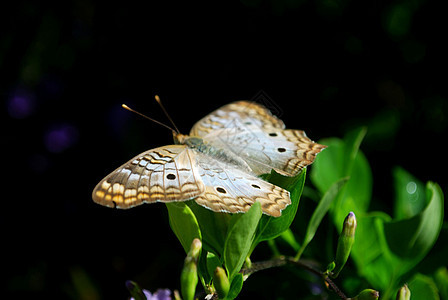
(409, 194)
(183, 223)
(423, 287)
(288, 237)
(328, 166)
(239, 239)
(358, 190)
(213, 226)
(353, 140)
(385, 250)
(441, 278)
(370, 249)
(271, 227)
(337, 160)
(412, 238)
(320, 211)
(235, 286)
(342, 159)
(212, 262)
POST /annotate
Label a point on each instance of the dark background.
(66, 67)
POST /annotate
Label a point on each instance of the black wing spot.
(281, 149)
(256, 186)
(221, 190)
(273, 134)
(171, 176)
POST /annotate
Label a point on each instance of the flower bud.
(404, 293)
(195, 249)
(221, 282)
(367, 294)
(189, 275)
(345, 243)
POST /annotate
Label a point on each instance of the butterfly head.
(190, 141)
(179, 138)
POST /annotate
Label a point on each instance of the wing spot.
(273, 134)
(221, 190)
(256, 186)
(171, 176)
(281, 149)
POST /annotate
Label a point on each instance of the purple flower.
(21, 103)
(61, 137)
(160, 294)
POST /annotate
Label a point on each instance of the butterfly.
(217, 165)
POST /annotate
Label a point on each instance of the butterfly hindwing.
(230, 189)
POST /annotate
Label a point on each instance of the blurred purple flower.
(160, 294)
(61, 138)
(21, 103)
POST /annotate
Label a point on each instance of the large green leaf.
(386, 249)
(183, 223)
(214, 227)
(342, 159)
(235, 286)
(412, 238)
(370, 251)
(239, 239)
(271, 227)
(441, 279)
(409, 194)
(423, 287)
(329, 164)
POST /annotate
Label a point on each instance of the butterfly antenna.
(146, 117)
(165, 112)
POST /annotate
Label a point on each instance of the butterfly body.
(217, 164)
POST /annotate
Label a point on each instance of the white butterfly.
(217, 164)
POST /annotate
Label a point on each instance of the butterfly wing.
(287, 151)
(248, 130)
(236, 114)
(230, 189)
(162, 174)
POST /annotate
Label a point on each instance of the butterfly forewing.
(263, 149)
(236, 114)
(163, 174)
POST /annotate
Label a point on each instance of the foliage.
(387, 250)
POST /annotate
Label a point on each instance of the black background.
(66, 67)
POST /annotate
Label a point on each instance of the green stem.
(274, 249)
(299, 253)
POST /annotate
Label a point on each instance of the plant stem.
(281, 261)
(299, 253)
(274, 249)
